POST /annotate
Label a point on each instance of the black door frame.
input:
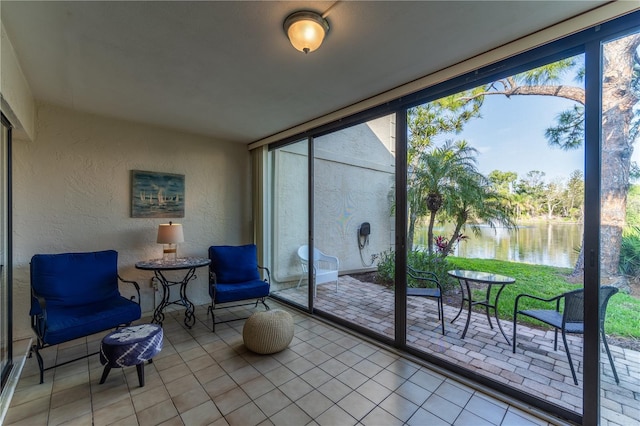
(7, 311)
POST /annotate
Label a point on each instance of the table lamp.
(170, 234)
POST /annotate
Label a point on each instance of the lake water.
(553, 244)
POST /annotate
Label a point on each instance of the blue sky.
(510, 137)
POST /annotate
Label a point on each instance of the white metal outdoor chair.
(325, 267)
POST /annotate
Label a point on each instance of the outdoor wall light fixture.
(306, 30)
(170, 234)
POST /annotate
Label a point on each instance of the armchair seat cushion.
(554, 319)
(240, 291)
(325, 275)
(424, 292)
(68, 323)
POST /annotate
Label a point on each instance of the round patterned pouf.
(268, 332)
(130, 346)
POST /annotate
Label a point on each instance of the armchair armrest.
(264, 268)
(42, 303)
(418, 274)
(137, 287)
(424, 276)
(213, 280)
(333, 260)
(556, 299)
(39, 316)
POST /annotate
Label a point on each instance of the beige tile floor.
(535, 367)
(327, 376)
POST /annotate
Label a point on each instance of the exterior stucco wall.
(354, 171)
(290, 211)
(72, 193)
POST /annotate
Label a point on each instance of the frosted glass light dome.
(306, 30)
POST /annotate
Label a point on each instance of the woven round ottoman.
(268, 332)
(130, 346)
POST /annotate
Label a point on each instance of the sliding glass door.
(495, 209)
(353, 217)
(328, 260)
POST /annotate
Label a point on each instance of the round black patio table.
(479, 277)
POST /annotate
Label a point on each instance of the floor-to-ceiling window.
(495, 188)
(619, 230)
(493, 198)
(5, 253)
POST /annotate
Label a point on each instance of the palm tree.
(425, 122)
(476, 201)
(437, 172)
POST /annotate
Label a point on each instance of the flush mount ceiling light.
(306, 30)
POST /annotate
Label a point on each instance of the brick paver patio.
(535, 367)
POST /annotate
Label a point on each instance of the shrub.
(387, 267)
(633, 205)
(630, 251)
(423, 261)
(417, 259)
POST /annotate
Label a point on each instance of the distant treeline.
(532, 196)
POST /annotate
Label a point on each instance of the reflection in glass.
(544, 243)
(289, 225)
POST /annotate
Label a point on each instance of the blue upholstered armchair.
(75, 295)
(235, 276)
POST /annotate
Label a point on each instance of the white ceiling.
(226, 69)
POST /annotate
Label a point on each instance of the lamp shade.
(170, 233)
(306, 30)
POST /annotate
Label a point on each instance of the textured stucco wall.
(354, 173)
(17, 102)
(71, 188)
(354, 176)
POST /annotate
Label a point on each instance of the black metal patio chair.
(570, 320)
(432, 289)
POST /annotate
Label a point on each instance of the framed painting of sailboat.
(155, 194)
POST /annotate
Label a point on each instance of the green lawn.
(623, 312)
